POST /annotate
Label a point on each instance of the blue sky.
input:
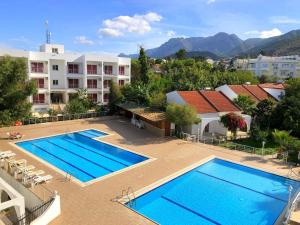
(122, 25)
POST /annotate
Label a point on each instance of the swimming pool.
(217, 192)
(80, 155)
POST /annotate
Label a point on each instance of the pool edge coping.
(162, 181)
(76, 180)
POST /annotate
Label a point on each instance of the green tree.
(283, 138)
(138, 93)
(262, 116)
(14, 90)
(144, 66)
(245, 103)
(115, 96)
(182, 115)
(180, 54)
(135, 71)
(80, 103)
(158, 101)
(233, 122)
(286, 115)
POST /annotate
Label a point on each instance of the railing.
(63, 117)
(224, 142)
(32, 214)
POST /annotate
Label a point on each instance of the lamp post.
(263, 147)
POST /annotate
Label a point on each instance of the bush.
(158, 101)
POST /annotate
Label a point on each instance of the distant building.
(60, 74)
(282, 66)
(210, 106)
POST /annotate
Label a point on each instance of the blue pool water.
(80, 155)
(218, 192)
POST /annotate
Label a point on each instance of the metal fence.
(62, 117)
(32, 214)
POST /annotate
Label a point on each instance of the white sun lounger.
(30, 174)
(6, 155)
(22, 170)
(41, 179)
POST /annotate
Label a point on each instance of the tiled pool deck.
(92, 204)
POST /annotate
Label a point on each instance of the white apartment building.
(60, 74)
(282, 66)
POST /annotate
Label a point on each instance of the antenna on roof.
(48, 33)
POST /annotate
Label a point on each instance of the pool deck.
(92, 204)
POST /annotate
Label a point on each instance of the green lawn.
(270, 147)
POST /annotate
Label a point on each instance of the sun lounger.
(22, 170)
(12, 164)
(14, 135)
(27, 176)
(6, 155)
(41, 179)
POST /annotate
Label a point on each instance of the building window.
(92, 83)
(121, 82)
(106, 83)
(38, 99)
(55, 50)
(73, 83)
(55, 67)
(92, 69)
(106, 97)
(121, 70)
(37, 67)
(108, 70)
(93, 97)
(55, 82)
(40, 83)
(73, 68)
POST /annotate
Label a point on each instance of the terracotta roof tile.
(195, 99)
(241, 90)
(220, 101)
(273, 85)
(257, 91)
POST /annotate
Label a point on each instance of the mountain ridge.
(229, 45)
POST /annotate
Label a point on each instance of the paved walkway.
(92, 204)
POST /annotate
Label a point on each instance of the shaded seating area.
(146, 118)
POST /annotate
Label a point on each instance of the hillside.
(230, 45)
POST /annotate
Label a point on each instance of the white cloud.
(139, 24)
(171, 33)
(83, 40)
(270, 33)
(284, 20)
(210, 1)
(264, 34)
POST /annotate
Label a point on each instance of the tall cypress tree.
(144, 66)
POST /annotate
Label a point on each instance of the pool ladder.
(292, 205)
(68, 176)
(127, 196)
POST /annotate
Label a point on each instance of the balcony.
(38, 68)
(74, 69)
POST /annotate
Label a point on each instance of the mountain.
(199, 54)
(229, 45)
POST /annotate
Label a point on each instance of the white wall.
(58, 75)
(276, 93)
(226, 90)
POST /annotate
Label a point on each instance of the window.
(40, 83)
(55, 50)
(106, 97)
(73, 68)
(106, 83)
(108, 70)
(37, 67)
(55, 82)
(55, 67)
(38, 99)
(73, 83)
(92, 69)
(121, 82)
(121, 70)
(93, 97)
(92, 83)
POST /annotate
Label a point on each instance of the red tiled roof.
(257, 91)
(220, 101)
(195, 99)
(273, 85)
(241, 90)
